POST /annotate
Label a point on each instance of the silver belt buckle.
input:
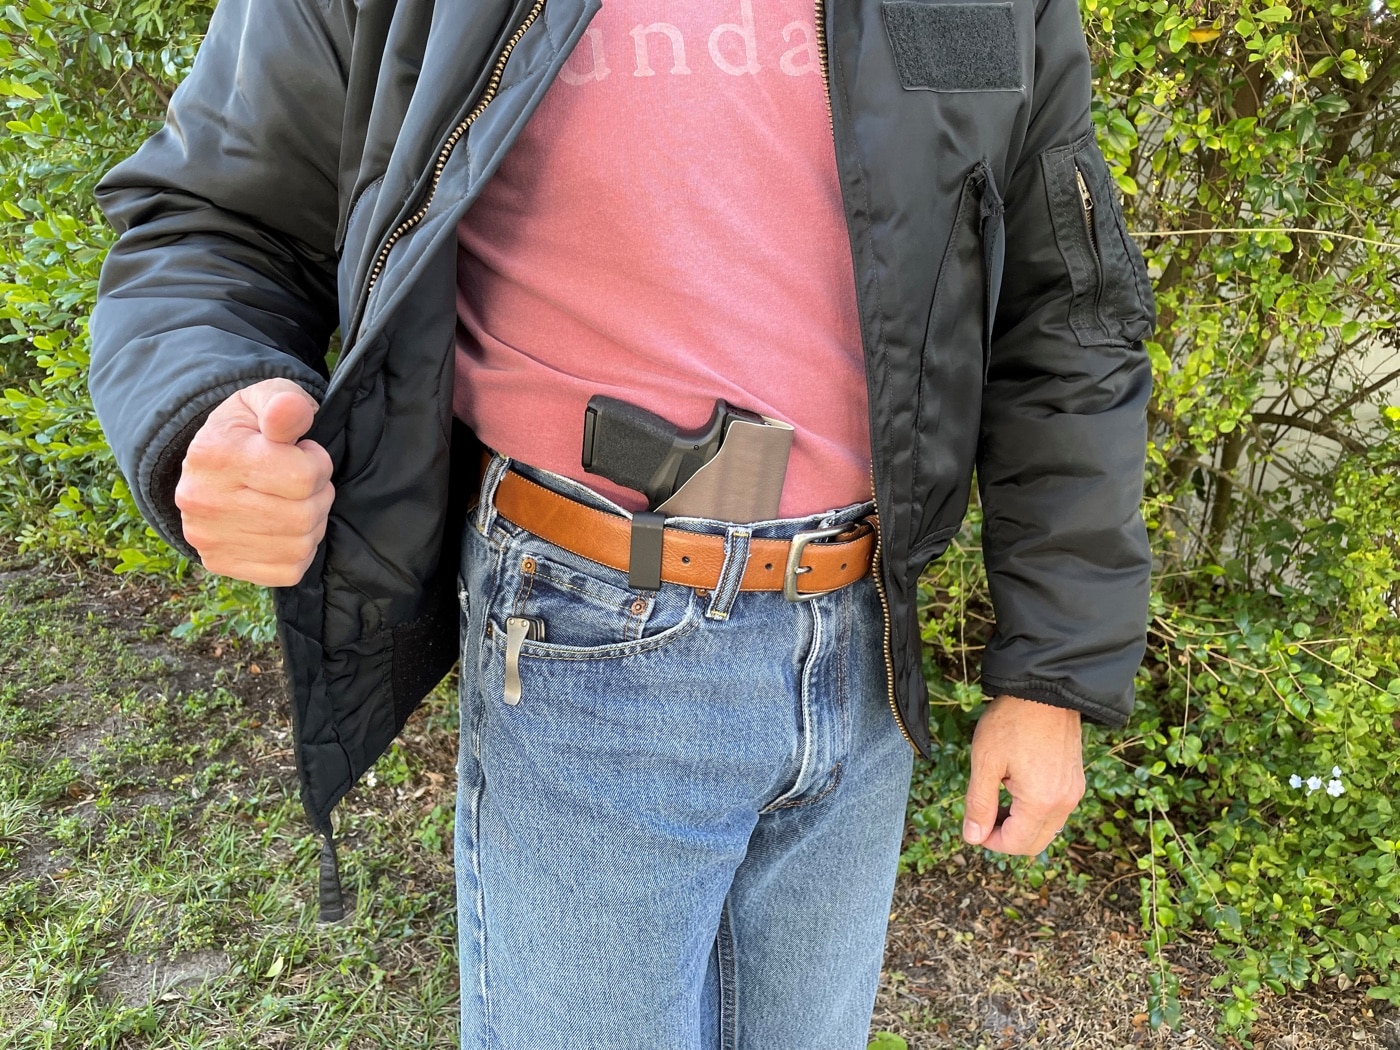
(794, 569)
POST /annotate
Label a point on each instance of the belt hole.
(638, 607)
(527, 565)
(769, 566)
(685, 559)
(843, 566)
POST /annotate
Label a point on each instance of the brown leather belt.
(809, 564)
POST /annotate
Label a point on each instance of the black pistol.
(638, 449)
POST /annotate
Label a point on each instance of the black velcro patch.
(954, 47)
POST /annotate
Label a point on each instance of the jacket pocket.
(1111, 300)
(954, 362)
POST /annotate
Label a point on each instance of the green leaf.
(18, 89)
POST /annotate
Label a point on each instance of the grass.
(156, 872)
(157, 877)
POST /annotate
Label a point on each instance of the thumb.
(283, 410)
(983, 797)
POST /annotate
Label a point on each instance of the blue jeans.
(683, 835)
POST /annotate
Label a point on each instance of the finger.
(218, 473)
(223, 538)
(1024, 832)
(254, 517)
(983, 793)
(264, 550)
(293, 472)
(263, 574)
(283, 410)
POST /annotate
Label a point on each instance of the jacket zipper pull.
(519, 629)
(1086, 200)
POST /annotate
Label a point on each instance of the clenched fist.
(253, 497)
(1034, 750)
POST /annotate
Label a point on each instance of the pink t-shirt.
(668, 230)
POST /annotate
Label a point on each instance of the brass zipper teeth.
(823, 60)
(492, 86)
(1086, 206)
(877, 569)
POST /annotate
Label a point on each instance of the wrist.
(1034, 708)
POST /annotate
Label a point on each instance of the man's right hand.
(253, 497)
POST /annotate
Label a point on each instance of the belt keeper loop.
(644, 557)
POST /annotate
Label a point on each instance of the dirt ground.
(973, 961)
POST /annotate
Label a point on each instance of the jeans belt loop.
(731, 575)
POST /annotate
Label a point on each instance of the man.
(684, 753)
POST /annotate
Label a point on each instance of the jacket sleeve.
(224, 270)
(1063, 441)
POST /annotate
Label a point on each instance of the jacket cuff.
(1055, 695)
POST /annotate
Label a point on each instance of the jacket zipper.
(1086, 202)
(877, 562)
(458, 133)
(877, 570)
(823, 60)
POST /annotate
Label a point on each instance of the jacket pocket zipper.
(493, 85)
(1086, 202)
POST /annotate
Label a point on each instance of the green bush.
(1257, 146)
(83, 84)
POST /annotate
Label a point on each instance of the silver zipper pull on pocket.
(518, 630)
(1086, 199)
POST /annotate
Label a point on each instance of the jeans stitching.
(728, 981)
(832, 783)
(544, 651)
(731, 574)
(484, 984)
(843, 691)
(523, 591)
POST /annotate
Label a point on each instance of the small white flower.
(1295, 781)
(1313, 784)
(1336, 771)
(1334, 788)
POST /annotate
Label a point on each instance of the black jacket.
(311, 175)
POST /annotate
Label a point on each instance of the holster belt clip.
(644, 557)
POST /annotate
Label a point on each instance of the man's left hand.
(1034, 749)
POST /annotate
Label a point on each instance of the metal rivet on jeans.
(527, 565)
(639, 606)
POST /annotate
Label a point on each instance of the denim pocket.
(1111, 301)
(585, 610)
